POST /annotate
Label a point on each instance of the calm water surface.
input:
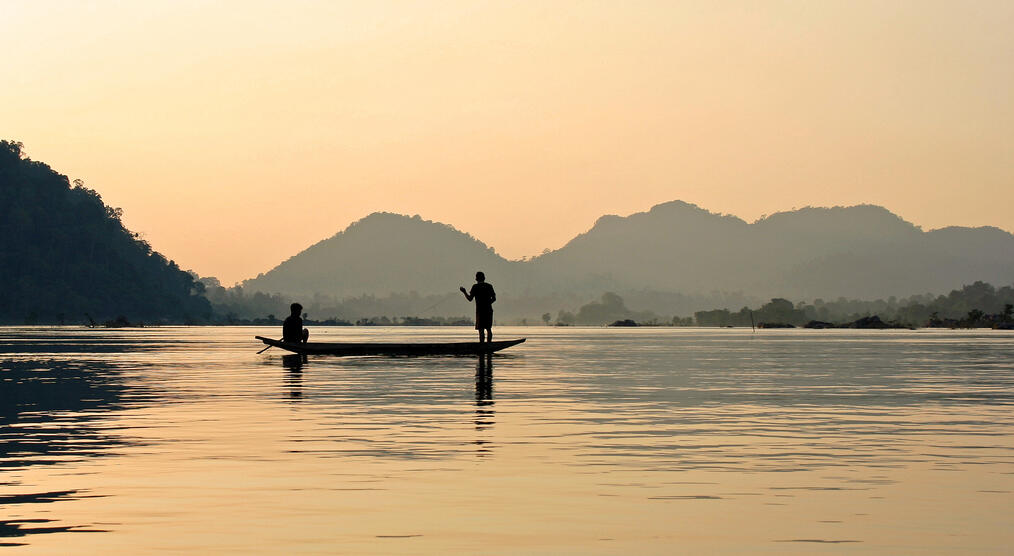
(581, 441)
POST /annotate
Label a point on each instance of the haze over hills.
(861, 251)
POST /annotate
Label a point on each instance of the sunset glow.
(235, 134)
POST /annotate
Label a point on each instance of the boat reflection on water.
(484, 381)
(484, 402)
(318, 389)
(294, 378)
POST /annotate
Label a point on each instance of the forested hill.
(864, 252)
(386, 253)
(65, 254)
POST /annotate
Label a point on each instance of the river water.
(580, 441)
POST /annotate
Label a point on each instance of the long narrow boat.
(375, 348)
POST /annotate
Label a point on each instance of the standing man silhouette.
(484, 296)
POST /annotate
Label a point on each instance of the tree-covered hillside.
(862, 251)
(65, 254)
(386, 253)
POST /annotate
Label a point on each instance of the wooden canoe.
(377, 348)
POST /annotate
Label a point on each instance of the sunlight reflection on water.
(579, 441)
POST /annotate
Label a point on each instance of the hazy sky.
(234, 134)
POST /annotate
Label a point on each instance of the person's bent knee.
(306, 335)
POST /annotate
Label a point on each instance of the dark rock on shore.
(866, 323)
(624, 322)
(819, 324)
(775, 325)
(121, 322)
(874, 323)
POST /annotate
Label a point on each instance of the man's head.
(296, 309)
(480, 277)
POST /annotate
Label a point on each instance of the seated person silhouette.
(292, 329)
(484, 296)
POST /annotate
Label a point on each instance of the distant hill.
(385, 253)
(64, 253)
(674, 247)
(861, 252)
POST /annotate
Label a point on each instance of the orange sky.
(234, 134)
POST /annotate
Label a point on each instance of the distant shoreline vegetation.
(978, 305)
(975, 305)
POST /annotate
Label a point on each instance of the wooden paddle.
(265, 349)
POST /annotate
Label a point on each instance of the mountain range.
(862, 251)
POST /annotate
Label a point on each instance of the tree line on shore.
(977, 305)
